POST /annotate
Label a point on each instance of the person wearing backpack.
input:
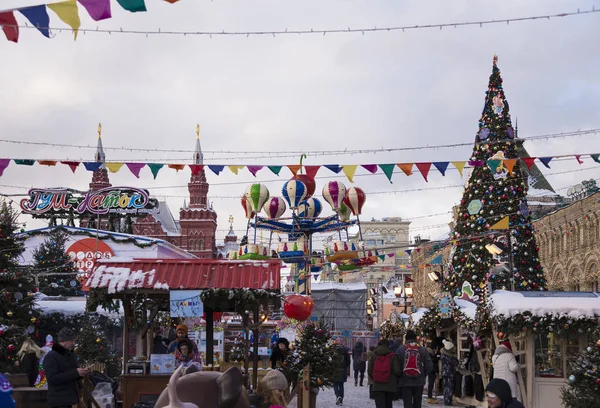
(416, 365)
(384, 371)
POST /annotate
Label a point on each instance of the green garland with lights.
(241, 300)
(583, 389)
(101, 236)
(430, 321)
(561, 325)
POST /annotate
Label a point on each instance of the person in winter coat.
(506, 366)
(62, 372)
(6, 390)
(412, 384)
(499, 395)
(29, 356)
(384, 393)
(341, 375)
(181, 331)
(270, 391)
(279, 352)
(359, 362)
(431, 378)
(449, 365)
(185, 355)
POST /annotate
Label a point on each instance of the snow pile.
(512, 303)
(468, 308)
(116, 279)
(418, 315)
(72, 306)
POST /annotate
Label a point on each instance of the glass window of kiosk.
(553, 355)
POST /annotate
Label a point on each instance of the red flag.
(528, 161)
(10, 26)
(311, 171)
(424, 169)
(196, 168)
(72, 164)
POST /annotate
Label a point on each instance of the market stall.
(546, 331)
(146, 286)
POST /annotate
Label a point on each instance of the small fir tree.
(56, 271)
(238, 349)
(315, 348)
(93, 345)
(496, 189)
(583, 390)
(18, 318)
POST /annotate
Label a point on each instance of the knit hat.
(507, 345)
(411, 336)
(274, 380)
(182, 327)
(501, 388)
(66, 334)
(448, 345)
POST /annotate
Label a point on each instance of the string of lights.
(311, 31)
(295, 153)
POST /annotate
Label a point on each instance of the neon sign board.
(115, 200)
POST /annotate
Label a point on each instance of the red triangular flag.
(311, 171)
(72, 164)
(424, 169)
(578, 157)
(196, 168)
(528, 161)
(10, 26)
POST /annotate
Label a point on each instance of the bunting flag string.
(348, 169)
(67, 11)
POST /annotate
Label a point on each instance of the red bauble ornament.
(1, 332)
(298, 307)
(11, 348)
(308, 182)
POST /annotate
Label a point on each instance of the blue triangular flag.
(38, 16)
(545, 160)
(336, 168)
(216, 169)
(441, 166)
(92, 166)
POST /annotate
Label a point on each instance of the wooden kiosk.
(546, 331)
(246, 287)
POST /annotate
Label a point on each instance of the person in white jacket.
(505, 366)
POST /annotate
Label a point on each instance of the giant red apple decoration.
(309, 182)
(298, 307)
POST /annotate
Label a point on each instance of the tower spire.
(100, 157)
(198, 156)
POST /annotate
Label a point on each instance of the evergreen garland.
(562, 325)
(242, 301)
(101, 236)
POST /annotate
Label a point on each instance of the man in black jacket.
(62, 372)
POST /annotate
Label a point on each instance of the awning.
(165, 274)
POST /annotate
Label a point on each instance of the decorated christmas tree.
(93, 345)
(315, 348)
(238, 349)
(493, 212)
(583, 390)
(55, 268)
(17, 315)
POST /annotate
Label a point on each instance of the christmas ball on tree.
(298, 307)
(9, 314)
(571, 378)
(11, 348)
(598, 343)
(98, 340)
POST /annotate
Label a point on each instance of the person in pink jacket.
(506, 366)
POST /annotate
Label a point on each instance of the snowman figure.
(501, 171)
(42, 381)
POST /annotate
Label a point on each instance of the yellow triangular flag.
(113, 167)
(502, 224)
(460, 165)
(349, 171)
(235, 169)
(67, 11)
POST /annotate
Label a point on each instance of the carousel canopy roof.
(165, 274)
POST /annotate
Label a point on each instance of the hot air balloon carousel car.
(251, 251)
(342, 251)
(293, 251)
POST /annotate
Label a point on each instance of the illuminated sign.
(119, 200)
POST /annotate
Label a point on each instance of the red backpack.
(382, 369)
(412, 361)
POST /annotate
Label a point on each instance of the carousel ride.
(296, 230)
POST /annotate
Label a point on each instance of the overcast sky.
(308, 92)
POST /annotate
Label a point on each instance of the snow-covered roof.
(166, 219)
(468, 308)
(573, 304)
(354, 286)
(72, 306)
(418, 315)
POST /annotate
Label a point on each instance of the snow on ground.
(356, 397)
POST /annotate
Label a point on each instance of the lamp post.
(406, 295)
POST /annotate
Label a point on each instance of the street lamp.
(408, 292)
